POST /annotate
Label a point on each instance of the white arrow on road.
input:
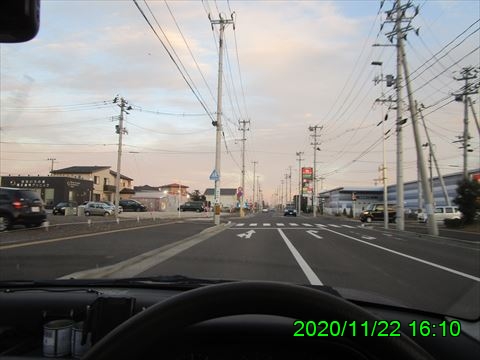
(314, 233)
(247, 235)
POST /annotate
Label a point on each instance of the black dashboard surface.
(25, 311)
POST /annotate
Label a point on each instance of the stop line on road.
(295, 225)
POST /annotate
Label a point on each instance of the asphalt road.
(438, 274)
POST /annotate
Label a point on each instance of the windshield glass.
(231, 108)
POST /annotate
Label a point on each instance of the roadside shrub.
(453, 223)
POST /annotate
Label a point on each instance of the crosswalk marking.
(320, 226)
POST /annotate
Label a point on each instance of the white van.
(441, 213)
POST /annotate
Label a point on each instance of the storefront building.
(53, 189)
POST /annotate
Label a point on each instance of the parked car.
(98, 208)
(441, 213)
(59, 209)
(375, 212)
(112, 205)
(290, 210)
(20, 206)
(193, 206)
(132, 205)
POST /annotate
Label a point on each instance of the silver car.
(112, 206)
(98, 208)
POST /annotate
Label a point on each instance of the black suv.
(132, 205)
(20, 206)
(375, 212)
(192, 206)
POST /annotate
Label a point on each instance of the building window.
(96, 180)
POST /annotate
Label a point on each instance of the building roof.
(226, 191)
(175, 185)
(127, 191)
(87, 170)
(80, 170)
(114, 173)
(146, 188)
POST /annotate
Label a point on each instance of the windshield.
(241, 106)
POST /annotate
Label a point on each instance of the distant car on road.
(132, 205)
(441, 213)
(290, 210)
(193, 206)
(375, 212)
(98, 208)
(59, 209)
(265, 210)
(20, 206)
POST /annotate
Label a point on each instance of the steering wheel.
(253, 297)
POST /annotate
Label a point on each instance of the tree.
(468, 199)
(197, 196)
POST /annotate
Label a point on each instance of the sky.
(288, 65)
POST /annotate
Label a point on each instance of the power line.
(190, 51)
(198, 97)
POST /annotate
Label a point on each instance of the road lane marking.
(247, 235)
(314, 234)
(253, 224)
(307, 270)
(280, 224)
(348, 226)
(266, 224)
(426, 262)
(38, 242)
(321, 225)
(293, 224)
(366, 237)
(140, 263)
(334, 225)
(308, 225)
(240, 224)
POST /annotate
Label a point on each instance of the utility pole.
(432, 156)
(243, 128)
(397, 16)
(468, 73)
(286, 189)
(218, 140)
(281, 195)
(51, 167)
(315, 148)
(384, 162)
(253, 190)
(258, 193)
(120, 130)
(299, 200)
(432, 225)
(290, 183)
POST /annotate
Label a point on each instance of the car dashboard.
(25, 312)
